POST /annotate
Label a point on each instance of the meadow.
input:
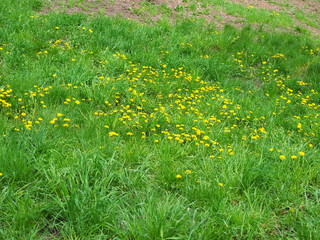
(112, 128)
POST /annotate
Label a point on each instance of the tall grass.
(112, 129)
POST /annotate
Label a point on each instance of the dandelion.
(282, 157)
(111, 134)
(220, 184)
(1, 174)
(178, 176)
(294, 157)
(187, 171)
(301, 154)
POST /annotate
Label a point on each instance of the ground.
(303, 13)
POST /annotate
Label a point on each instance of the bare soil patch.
(174, 9)
(171, 10)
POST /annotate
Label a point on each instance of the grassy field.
(116, 129)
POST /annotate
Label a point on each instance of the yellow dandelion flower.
(111, 134)
(178, 176)
(282, 157)
(301, 154)
(187, 171)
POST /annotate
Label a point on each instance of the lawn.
(183, 127)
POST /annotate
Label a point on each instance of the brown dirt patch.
(306, 6)
(175, 9)
(172, 10)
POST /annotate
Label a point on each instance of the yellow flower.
(59, 115)
(1, 174)
(294, 157)
(178, 176)
(220, 184)
(282, 157)
(111, 134)
(301, 154)
(187, 171)
(130, 134)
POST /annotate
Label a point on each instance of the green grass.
(112, 129)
